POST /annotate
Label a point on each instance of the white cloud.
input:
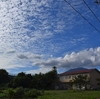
(8, 61)
(40, 70)
(12, 59)
(27, 24)
(89, 58)
(85, 58)
(31, 30)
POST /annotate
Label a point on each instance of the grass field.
(70, 94)
(53, 94)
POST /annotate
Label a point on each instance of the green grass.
(70, 94)
(61, 94)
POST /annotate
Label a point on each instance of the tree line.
(49, 80)
(38, 81)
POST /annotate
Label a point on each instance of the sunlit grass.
(60, 94)
(66, 94)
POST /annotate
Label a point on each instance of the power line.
(82, 16)
(91, 10)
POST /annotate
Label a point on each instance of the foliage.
(38, 81)
(21, 80)
(2, 94)
(20, 93)
(80, 81)
(32, 93)
(71, 82)
(45, 81)
(51, 79)
(14, 93)
(4, 77)
(10, 93)
(98, 80)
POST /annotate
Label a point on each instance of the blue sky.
(36, 35)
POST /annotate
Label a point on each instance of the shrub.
(26, 89)
(10, 93)
(19, 92)
(2, 94)
(13, 94)
(32, 93)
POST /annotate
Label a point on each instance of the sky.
(36, 35)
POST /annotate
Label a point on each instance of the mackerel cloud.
(32, 24)
(29, 32)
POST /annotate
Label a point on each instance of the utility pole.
(97, 1)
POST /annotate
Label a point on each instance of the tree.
(80, 81)
(71, 83)
(51, 78)
(21, 80)
(98, 80)
(22, 74)
(4, 77)
(45, 81)
(38, 81)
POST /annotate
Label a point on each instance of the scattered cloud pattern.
(85, 58)
(41, 32)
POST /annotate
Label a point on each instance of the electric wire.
(91, 10)
(82, 16)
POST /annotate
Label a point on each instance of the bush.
(13, 94)
(10, 93)
(32, 93)
(2, 94)
(19, 92)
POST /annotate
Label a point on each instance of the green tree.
(21, 80)
(51, 78)
(22, 74)
(80, 81)
(4, 77)
(71, 83)
(45, 81)
(98, 82)
(38, 81)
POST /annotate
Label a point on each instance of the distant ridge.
(77, 69)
